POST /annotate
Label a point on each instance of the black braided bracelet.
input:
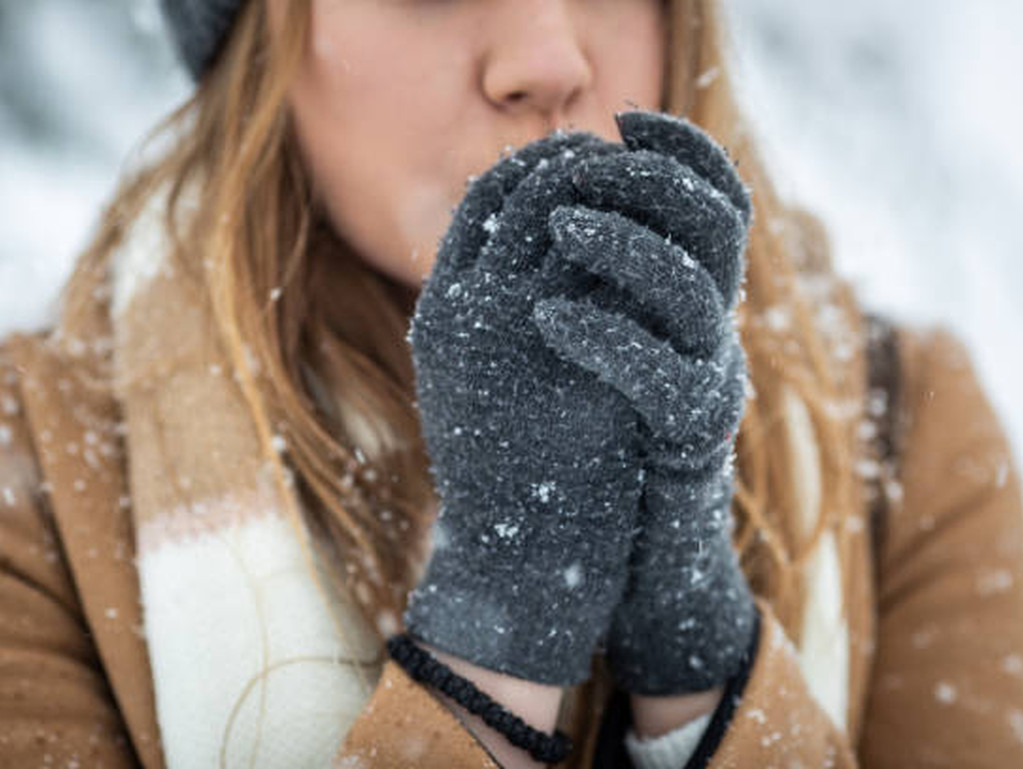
(424, 667)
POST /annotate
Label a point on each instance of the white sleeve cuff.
(669, 751)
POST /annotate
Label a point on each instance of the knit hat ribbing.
(199, 28)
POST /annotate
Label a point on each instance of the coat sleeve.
(947, 687)
(56, 708)
(403, 725)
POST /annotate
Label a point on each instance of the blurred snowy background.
(897, 122)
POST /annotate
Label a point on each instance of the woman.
(221, 468)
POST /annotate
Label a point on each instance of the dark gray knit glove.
(665, 226)
(535, 461)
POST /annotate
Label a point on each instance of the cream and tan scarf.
(255, 662)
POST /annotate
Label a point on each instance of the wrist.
(535, 703)
(656, 716)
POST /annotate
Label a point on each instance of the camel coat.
(925, 668)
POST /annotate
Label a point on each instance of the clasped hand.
(580, 381)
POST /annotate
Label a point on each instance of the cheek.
(396, 223)
(376, 173)
(392, 217)
(633, 53)
(421, 208)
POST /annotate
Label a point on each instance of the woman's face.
(398, 102)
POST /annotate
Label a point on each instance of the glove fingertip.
(643, 129)
(691, 145)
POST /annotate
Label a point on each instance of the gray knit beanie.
(199, 28)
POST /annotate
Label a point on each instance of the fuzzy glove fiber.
(666, 225)
(535, 461)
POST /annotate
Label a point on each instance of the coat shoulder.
(937, 370)
(910, 364)
(30, 544)
(950, 597)
(945, 434)
(50, 673)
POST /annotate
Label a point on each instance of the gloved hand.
(535, 461)
(665, 226)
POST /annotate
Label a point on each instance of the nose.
(537, 64)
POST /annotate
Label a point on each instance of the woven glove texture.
(664, 226)
(535, 461)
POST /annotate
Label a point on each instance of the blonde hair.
(335, 377)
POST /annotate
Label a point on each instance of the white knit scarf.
(251, 666)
